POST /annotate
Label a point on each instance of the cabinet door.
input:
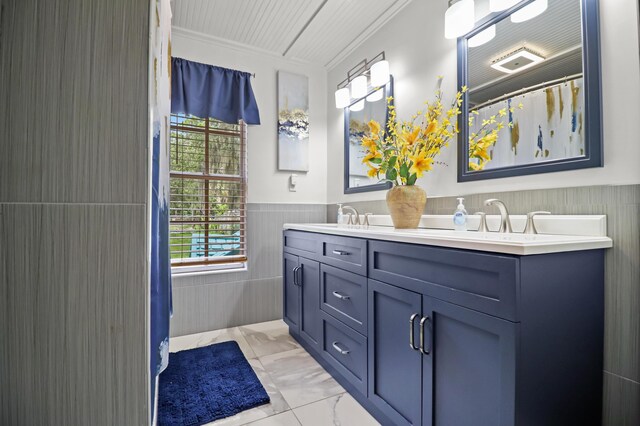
(309, 283)
(395, 368)
(291, 306)
(469, 373)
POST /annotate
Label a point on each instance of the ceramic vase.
(406, 204)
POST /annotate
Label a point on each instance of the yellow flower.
(411, 137)
(474, 166)
(431, 127)
(374, 127)
(369, 143)
(502, 112)
(371, 155)
(372, 172)
(420, 164)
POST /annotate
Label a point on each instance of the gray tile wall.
(73, 214)
(220, 300)
(621, 204)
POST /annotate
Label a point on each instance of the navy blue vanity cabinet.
(455, 337)
(291, 299)
(395, 379)
(301, 285)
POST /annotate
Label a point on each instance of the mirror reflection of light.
(500, 5)
(483, 37)
(375, 96)
(530, 11)
(358, 106)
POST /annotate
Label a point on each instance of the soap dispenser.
(460, 216)
(340, 218)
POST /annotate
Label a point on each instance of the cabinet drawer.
(343, 295)
(300, 243)
(488, 283)
(344, 252)
(346, 351)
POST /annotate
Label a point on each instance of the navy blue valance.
(208, 91)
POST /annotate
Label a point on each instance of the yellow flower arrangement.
(485, 137)
(405, 150)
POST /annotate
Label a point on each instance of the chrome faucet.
(505, 222)
(355, 212)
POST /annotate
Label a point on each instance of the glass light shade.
(380, 73)
(358, 106)
(500, 5)
(342, 97)
(459, 19)
(530, 11)
(375, 96)
(483, 37)
(359, 87)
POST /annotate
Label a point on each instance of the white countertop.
(513, 243)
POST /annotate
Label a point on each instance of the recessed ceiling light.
(482, 37)
(517, 61)
(530, 11)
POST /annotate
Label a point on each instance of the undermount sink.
(511, 243)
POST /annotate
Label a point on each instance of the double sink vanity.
(436, 327)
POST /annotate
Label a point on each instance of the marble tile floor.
(301, 391)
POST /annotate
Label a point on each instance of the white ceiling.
(315, 31)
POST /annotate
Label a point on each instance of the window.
(208, 187)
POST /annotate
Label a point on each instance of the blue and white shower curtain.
(546, 124)
(160, 107)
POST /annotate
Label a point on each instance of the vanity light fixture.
(482, 37)
(516, 61)
(358, 106)
(530, 11)
(500, 5)
(459, 18)
(342, 97)
(356, 86)
(380, 73)
(359, 87)
(375, 96)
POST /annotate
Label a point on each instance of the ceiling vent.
(516, 61)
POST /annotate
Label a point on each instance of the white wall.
(418, 52)
(266, 183)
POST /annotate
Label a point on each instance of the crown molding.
(384, 17)
(234, 45)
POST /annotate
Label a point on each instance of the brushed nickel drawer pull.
(339, 349)
(341, 252)
(341, 296)
(411, 339)
(422, 349)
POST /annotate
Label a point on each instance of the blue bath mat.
(206, 384)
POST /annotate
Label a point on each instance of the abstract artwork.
(293, 122)
(545, 125)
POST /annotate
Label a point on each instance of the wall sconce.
(530, 11)
(460, 18)
(355, 86)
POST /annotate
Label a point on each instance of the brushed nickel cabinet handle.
(341, 296)
(411, 340)
(339, 349)
(341, 252)
(295, 275)
(422, 349)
